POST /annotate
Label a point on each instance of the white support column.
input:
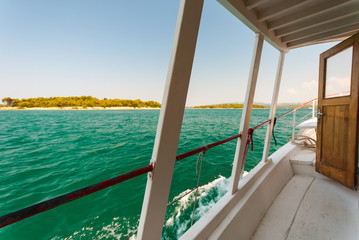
(313, 109)
(273, 106)
(238, 163)
(170, 121)
(293, 134)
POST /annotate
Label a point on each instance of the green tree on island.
(229, 105)
(8, 101)
(83, 101)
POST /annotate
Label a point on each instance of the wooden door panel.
(334, 143)
(337, 136)
(341, 130)
(336, 101)
(334, 173)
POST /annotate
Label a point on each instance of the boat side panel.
(261, 183)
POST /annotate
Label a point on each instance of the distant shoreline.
(107, 108)
(223, 108)
(76, 108)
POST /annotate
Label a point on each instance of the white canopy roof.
(289, 24)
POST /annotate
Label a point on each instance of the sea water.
(44, 154)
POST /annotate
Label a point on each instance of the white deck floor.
(311, 206)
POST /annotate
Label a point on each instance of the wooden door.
(337, 145)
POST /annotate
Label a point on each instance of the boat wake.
(178, 218)
(179, 215)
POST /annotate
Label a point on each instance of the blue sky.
(121, 49)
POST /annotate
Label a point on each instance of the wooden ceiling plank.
(324, 35)
(254, 3)
(330, 16)
(347, 21)
(279, 8)
(339, 37)
(318, 7)
(249, 18)
(330, 39)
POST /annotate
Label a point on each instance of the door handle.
(319, 115)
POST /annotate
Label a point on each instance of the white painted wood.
(313, 110)
(255, 3)
(341, 23)
(170, 121)
(283, 22)
(326, 205)
(333, 15)
(310, 123)
(256, 192)
(315, 7)
(273, 106)
(239, 161)
(293, 133)
(203, 228)
(304, 157)
(242, 221)
(330, 34)
(279, 8)
(249, 18)
(328, 211)
(337, 37)
(279, 217)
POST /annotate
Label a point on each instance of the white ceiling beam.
(255, 3)
(249, 18)
(279, 8)
(324, 35)
(314, 8)
(330, 16)
(326, 40)
(347, 21)
(339, 37)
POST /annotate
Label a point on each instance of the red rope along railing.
(68, 197)
(205, 148)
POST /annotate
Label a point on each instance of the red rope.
(60, 200)
(205, 148)
(249, 140)
(250, 137)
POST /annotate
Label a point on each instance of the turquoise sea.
(44, 154)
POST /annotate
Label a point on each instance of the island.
(229, 105)
(74, 103)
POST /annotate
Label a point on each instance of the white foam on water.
(204, 203)
(109, 231)
(220, 185)
(122, 228)
(117, 229)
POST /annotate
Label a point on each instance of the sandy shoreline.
(96, 108)
(76, 108)
(226, 108)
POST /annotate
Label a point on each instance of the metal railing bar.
(68, 197)
(206, 147)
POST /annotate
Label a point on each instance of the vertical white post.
(239, 161)
(313, 109)
(273, 106)
(170, 121)
(293, 134)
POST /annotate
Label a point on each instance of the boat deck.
(311, 206)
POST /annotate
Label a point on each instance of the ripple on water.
(47, 153)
